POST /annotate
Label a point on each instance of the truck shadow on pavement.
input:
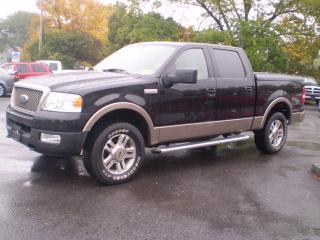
(55, 170)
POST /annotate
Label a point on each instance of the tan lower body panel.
(194, 130)
(257, 123)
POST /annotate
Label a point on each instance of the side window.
(53, 66)
(37, 68)
(229, 64)
(193, 59)
(8, 67)
(21, 68)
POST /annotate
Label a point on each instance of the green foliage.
(68, 47)
(278, 35)
(213, 36)
(263, 46)
(129, 27)
(14, 30)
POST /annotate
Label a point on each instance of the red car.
(27, 69)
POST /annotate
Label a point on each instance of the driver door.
(183, 105)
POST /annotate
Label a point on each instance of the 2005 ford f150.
(166, 96)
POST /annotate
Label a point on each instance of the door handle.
(249, 90)
(211, 92)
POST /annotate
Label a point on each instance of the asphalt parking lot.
(231, 193)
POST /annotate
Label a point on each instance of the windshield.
(143, 59)
(3, 71)
(310, 81)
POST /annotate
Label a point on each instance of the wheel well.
(122, 115)
(283, 108)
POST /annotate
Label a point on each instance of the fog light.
(50, 138)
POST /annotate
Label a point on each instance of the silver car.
(6, 82)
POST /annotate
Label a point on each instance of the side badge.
(151, 91)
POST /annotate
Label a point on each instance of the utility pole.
(41, 26)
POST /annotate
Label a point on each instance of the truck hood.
(75, 81)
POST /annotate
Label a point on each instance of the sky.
(187, 16)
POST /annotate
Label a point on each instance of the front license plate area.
(16, 133)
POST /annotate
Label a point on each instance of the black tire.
(118, 166)
(317, 102)
(262, 139)
(86, 163)
(2, 91)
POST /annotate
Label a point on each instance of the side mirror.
(186, 76)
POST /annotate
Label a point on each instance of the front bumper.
(297, 117)
(9, 89)
(20, 128)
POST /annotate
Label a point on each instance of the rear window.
(38, 68)
(229, 64)
(53, 66)
(22, 68)
(310, 81)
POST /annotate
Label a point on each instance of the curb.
(316, 169)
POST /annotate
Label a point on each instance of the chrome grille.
(316, 91)
(312, 91)
(30, 104)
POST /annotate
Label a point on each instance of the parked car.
(160, 95)
(312, 88)
(27, 69)
(6, 82)
(56, 66)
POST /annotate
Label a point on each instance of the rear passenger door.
(235, 86)
(38, 69)
(23, 70)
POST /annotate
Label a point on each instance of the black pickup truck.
(165, 96)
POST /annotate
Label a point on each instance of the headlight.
(63, 102)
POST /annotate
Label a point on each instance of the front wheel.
(273, 136)
(2, 90)
(115, 154)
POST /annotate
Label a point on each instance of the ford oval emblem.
(24, 98)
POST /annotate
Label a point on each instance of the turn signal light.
(77, 102)
(303, 96)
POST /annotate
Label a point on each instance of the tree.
(68, 47)
(14, 30)
(88, 16)
(213, 36)
(127, 27)
(278, 35)
(263, 46)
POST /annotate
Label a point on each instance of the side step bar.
(212, 142)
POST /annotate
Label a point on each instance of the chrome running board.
(177, 147)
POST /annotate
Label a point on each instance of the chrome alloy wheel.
(1, 90)
(276, 133)
(119, 154)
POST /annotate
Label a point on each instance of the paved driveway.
(233, 193)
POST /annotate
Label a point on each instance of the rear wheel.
(273, 136)
(115, 154)
(2, 90)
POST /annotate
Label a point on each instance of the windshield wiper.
(116, 70)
